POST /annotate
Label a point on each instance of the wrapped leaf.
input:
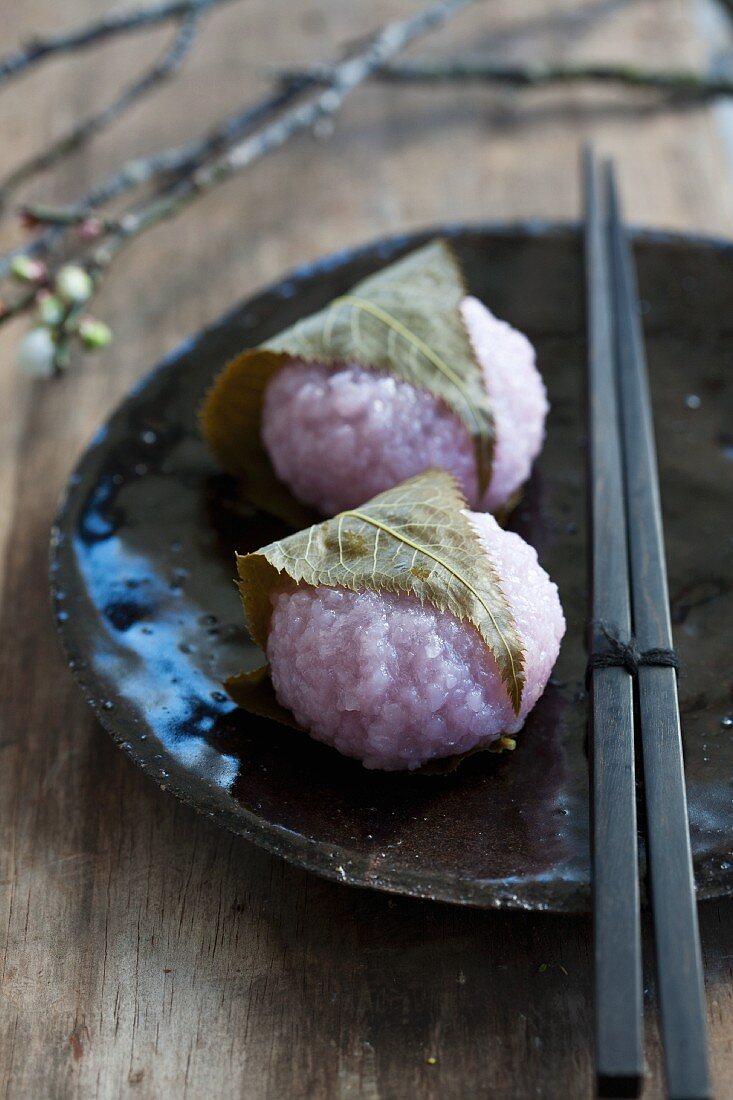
(404, 320)
(414, 539)
(253, 691)
(446, 765)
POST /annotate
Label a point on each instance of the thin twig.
(137, 19)
(183, 158)
(681, 83)
(177, 161)
(345, 77)
(162, 70)
(168, 163)
(171, 161)
(38, 248)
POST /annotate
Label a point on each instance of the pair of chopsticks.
(633, 688)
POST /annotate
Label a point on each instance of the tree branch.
(345, 76)
(323, 104)
(681, 83)
(162, 70)
(137, 19)
(167, 163)
(173, 160)
(304, 100)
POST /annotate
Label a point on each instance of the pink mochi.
(338, 435)
(395, 683)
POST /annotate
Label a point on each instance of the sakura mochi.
(404, 373)
(443, 645)
(395, 683)
(339, 434)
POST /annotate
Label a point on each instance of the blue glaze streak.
(147, 658)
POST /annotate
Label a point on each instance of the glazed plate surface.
(142, 581)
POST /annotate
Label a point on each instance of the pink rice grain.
(518, 399)
(394, 683)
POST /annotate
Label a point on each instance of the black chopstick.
(672, 887)
(617, 931)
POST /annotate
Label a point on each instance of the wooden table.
(144, 953)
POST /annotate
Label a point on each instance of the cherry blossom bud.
(90, 229)
(74, 284)
(51, 309)
(37, 354)
(28, 270)
(94, 334)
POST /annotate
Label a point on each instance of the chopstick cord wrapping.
(626, 654)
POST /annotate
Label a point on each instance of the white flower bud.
(37, 353)
(73, 284)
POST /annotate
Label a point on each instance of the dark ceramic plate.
(142, 567)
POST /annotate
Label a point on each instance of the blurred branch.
(680, 83)
(345, 76)
(318, 106)
(304, 100)
(162, 70)
(167, 164)
(137, 19)
(173, 160)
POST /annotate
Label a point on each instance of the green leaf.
(413, 539)
(404, 320)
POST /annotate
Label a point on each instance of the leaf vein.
(449, 569)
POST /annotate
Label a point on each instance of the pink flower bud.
(28, 270)
(90, 229)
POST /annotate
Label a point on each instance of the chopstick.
(617, 928)
(629, 582)
(671, 880)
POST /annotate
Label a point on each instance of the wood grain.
(143, 953)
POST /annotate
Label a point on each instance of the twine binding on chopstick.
(626, 654)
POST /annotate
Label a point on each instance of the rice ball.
(338, 435)
(396, 683)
